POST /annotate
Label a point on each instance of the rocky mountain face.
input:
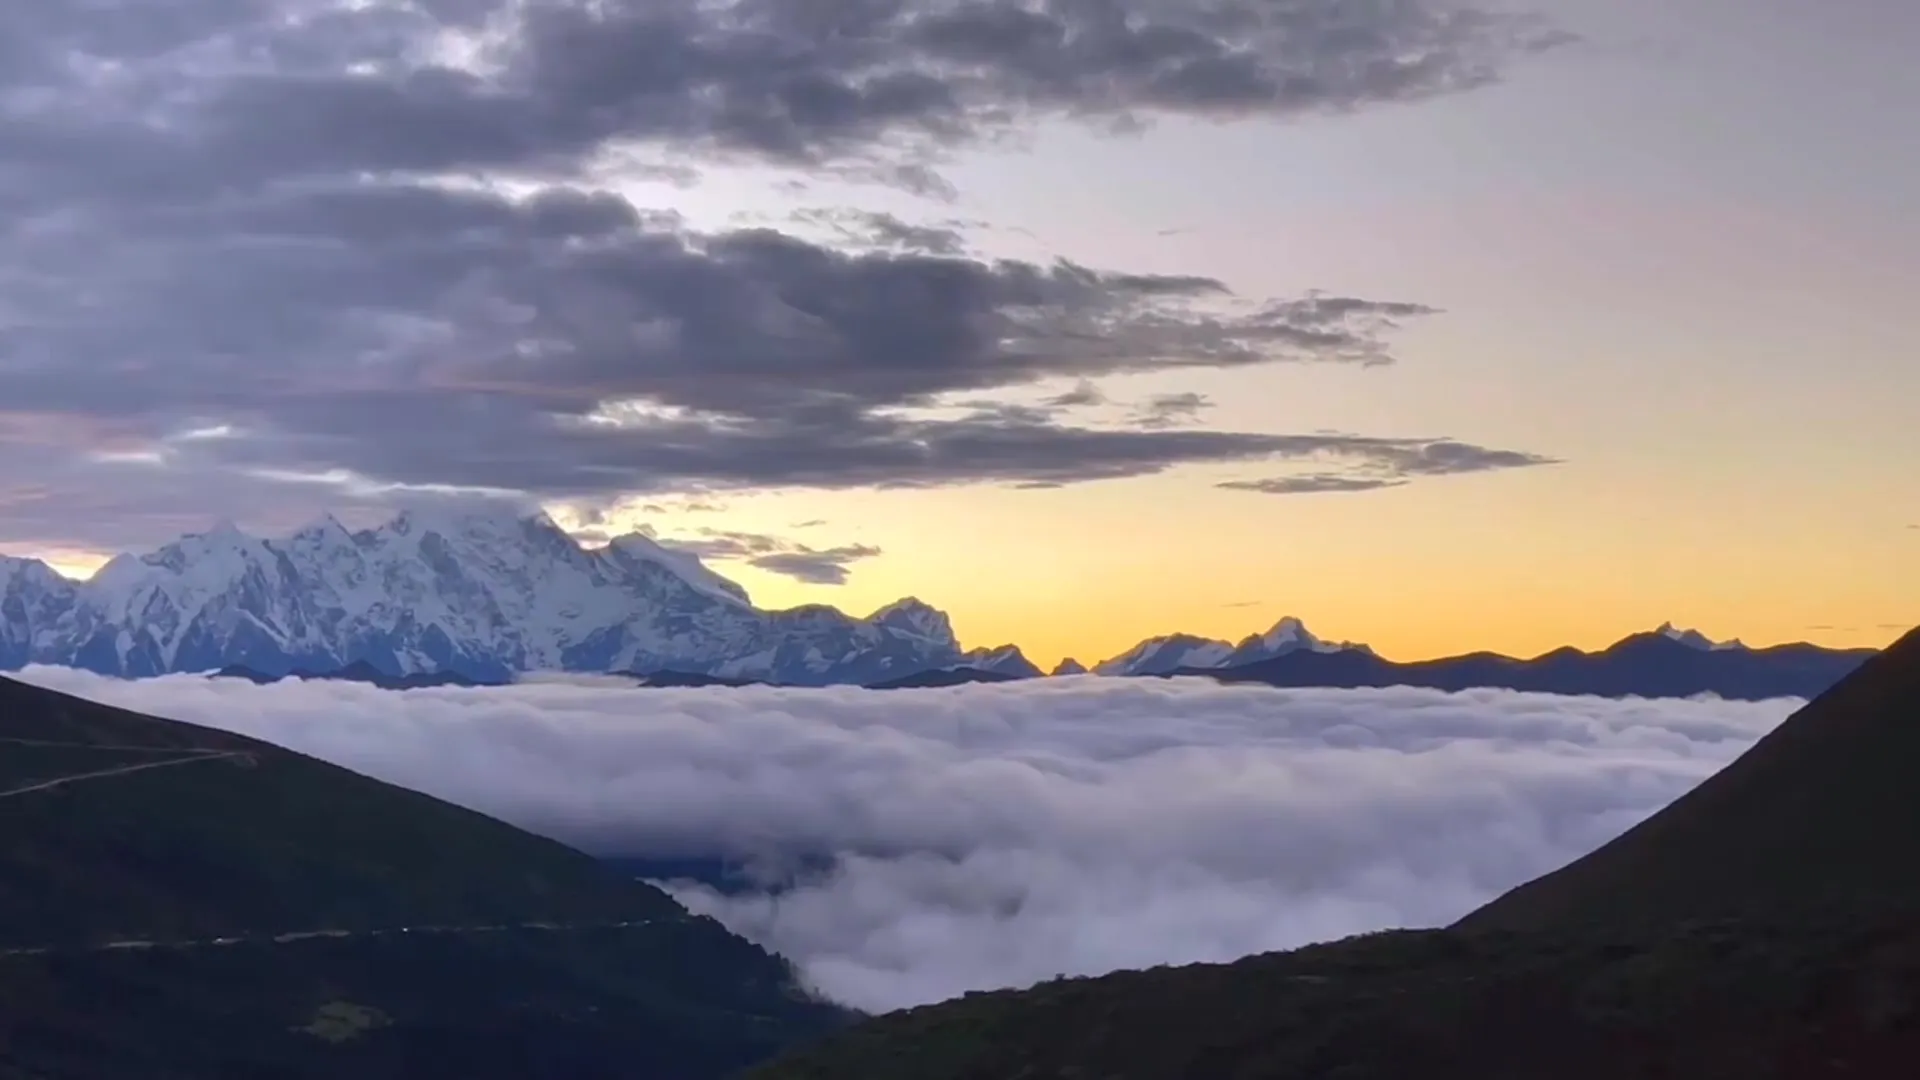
(480, 595)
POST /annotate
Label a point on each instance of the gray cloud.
(1084, 392)
(1171, 410)
(996, 835)
(1374, 464)
(261, 254)
(685, 506)
(422, 336)
(257, 89)
(1310, 484)
(828, 567)
(776, 555)
(875, 229)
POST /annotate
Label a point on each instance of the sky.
(995, 835)
(1440, 326)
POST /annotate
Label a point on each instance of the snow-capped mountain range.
(490, 595)
(1157, 656)
(483, 595)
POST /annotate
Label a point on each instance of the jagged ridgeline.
(177, 901)
(1764, 927)
(481, 595)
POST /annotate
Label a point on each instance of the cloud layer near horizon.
(996, 835)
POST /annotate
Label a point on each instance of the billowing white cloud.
(995, 835)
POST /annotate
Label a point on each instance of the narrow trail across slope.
(146, 748)
(202, 755)
(286, 937)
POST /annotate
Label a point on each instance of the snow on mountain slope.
(33, 598)
(1157, 656)
(482, 594)
(912, 616)
(1697, 640)
(1160, 655)
(1289, 635)
(1006, 660)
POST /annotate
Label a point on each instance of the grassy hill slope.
(233, 838)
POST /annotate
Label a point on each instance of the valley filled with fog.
(913, 845)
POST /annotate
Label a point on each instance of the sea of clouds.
(995, 835)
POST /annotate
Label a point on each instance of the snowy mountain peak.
(1289, 631)
(224, 531)
(483, 593)
(1157, 656)
(494, 520)
(1694, 639)
(1006, 660)
(636, 549)
(28, 573)
(911, 615)
(326, 527)
(1286, 636)
(1069, 666)
(33, 597)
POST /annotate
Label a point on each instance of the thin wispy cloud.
(776, 555)
(996, 835)
(1389, 463)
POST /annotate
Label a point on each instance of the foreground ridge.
(1764, 927)
(179, 901)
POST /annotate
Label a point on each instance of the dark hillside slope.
(1825, 810)
(1766, 927)
(1728, 1001)
(194, 848)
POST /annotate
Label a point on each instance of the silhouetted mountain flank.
(177, 901)
(668, 679)
(958, 676)
(1766, 926)
(1655, 664)
(1824, 811)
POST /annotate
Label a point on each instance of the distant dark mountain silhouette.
(1824, 811)
(669, 679)
(359, 671)
(1653, 664)
(958, 676)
